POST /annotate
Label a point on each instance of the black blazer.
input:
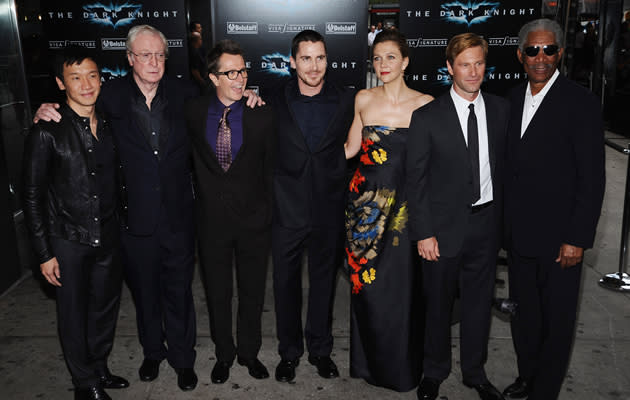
(309, 186)
(243, 192)
(439, 179)
(555, 174)
(152, 185)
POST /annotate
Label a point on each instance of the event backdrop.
(264, 28)
(429, 24)
(102, 26)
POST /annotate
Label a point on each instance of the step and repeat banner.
(265, 28)
(428, 25)
(102, 27)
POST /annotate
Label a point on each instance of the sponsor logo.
(503, 41)
(289, 28)
(108, 73)
(422, 42)
(277, 64)
(341, 28)
(242, 28)
(60, 44)
(175, 42)
(113, 43)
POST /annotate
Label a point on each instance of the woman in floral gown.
(387, 320)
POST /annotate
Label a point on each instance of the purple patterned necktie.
(224, 141)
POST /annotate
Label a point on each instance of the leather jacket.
(61, 197)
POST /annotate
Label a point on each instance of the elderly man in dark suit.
(309, 184)
(232, 157)
(145, 110)
(454, 167)
(553, 196)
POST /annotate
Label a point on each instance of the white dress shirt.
(531, 104)
(485, 177)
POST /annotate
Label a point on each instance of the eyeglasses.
(233, 73)
(550, 50)
(144, 58)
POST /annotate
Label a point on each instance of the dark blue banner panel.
(429, 25)
(103, 25)
(265, 28)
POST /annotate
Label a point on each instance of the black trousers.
(544, 327)
(88, 302)
(324, 246)
(249, 249)
(159, 271)
(473, 271)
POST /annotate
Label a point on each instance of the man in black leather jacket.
(71, 212)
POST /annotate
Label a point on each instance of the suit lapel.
(451, 124)
(492, 125)
(299, 136)
(544, 112)
(200, 142)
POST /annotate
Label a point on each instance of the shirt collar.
(540, 95)
(462, 104)
(216, 107)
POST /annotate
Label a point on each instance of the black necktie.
(473, 151)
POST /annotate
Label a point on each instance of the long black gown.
(387, 321)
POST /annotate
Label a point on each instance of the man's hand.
(47, 112)
(50, 270)
(428, 249)
(569, 255)
(253, 100)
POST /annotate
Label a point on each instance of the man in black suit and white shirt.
(454, 164)
(553, 195)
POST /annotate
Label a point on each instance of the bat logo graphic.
(108, 74)
(469, 13)
(276, 64)
(112, 15)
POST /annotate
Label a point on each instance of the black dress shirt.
(313, 113)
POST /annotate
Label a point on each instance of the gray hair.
(542, 24)
(138, 29)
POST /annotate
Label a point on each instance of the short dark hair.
(191, 27)
(72, 55)
(395, 36)
(306, 36)
(225, 46)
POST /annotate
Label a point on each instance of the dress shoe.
(326, 367)
(518, 390)
(220, 372)
(428, 389)
(285, 371)
(149, 370)
(256, 369)
(109, 381)
(92, 393)
(186, 379)
(486, 391)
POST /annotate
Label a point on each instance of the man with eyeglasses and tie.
(232, 159)
(553, 196)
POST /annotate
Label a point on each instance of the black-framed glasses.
(233, 73)
(144, 58)
(550, 50)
